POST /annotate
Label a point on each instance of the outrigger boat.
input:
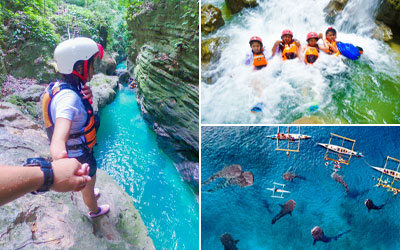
(290, 141)
(287, 136)
(341, 150)
(340, 154)
(280, 190)
(395, 174)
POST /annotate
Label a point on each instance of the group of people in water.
(290, 48)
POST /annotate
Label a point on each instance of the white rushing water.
(289, 88)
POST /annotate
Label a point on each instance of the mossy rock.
(389, 13)
(334, 8)
(209, 49)
(236, 6)
(382, 32)
(211, 18)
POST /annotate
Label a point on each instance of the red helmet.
(312, 35)
(256, 39)
(287, 32)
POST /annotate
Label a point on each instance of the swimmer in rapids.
(232, 175)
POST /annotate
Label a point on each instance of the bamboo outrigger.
(343, 154)
(290, 138)
(395, 174)
(280, 190)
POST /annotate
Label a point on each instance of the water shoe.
(103, 209)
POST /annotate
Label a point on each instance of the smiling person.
(256, 56)
(68, 116)
(287, 46)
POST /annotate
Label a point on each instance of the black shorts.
(88, 158)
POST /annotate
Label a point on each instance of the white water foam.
(289, 88)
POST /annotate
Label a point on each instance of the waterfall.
(344, 91)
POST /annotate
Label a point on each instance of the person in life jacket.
(330, 42)
(287, 46)
(310, 52)
(69, 119)
(256, 56)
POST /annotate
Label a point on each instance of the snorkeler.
(233, 175)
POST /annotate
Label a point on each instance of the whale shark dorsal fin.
(314, 241)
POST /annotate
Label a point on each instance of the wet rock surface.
(103, 88)
(382, 32)
(333, 9)
(389, 13)
(166, 69)
(236, 6)
(211, 18)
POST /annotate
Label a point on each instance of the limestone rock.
(32, 94)
(382, 32)
(20, 137)
(210, 49)
(61, 221)
(211, 18)
(389, 13)
(333, 9)
(108, 64)
(103, 89)
(236, 6)
(166, 59)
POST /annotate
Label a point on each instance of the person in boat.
(257, 56)
(310, 52)
(287, 46)
(69, 119)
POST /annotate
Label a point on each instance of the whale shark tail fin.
(340, 235)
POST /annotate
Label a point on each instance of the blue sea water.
(243, 212)
(127, 150)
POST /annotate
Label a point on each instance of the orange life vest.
(329, 50)
(92, 122)
(259, 60)
(311, 54)
(289, 51)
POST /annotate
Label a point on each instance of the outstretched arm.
(69, 175)
(275, 47)
(60, 137)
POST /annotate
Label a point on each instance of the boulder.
(108, 64)
(211, 18)
(32, 94)
(236, 6)
(103, 89)
(333, 9)
(382, 32)
(210, 49)
(389, 13)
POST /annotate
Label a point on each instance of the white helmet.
(69, 52)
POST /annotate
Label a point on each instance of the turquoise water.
(127, 150)
(246, 213)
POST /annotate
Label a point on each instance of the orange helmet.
(312, 35)
(256, 39)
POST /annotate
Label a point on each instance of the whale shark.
(286, 208)
(318, 235)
